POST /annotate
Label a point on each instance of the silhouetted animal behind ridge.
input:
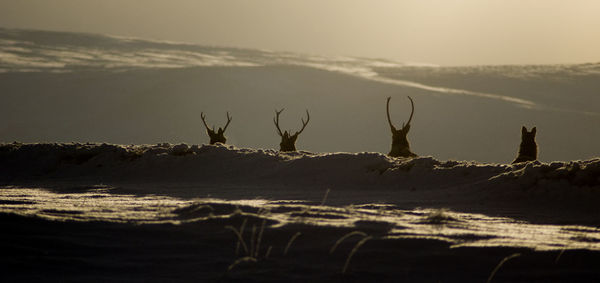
(288, 142)
(219, 135)
(400, 145)
(528, 148)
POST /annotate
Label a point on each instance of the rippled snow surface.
(460, 229)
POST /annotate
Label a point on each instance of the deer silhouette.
(528, 148)
(219, 135)
(288, 142)
(400, 145)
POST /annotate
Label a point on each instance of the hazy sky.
(445, 32)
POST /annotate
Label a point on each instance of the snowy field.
(185, 205)
(109, 179)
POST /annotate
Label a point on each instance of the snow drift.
(224, 164)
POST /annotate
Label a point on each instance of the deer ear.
(523, 130)
(533, 130)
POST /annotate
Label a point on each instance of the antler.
(387, 109)
(304, 123)
(204, 120)
(276, 121)
(412, 112)
(228, 121)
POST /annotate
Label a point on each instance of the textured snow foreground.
(225, 213)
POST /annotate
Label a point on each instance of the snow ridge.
(225, 164)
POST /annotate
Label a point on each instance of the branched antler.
(218, 136)
(303, 123)
(276, 121)
(228, 121)
(203, 117)
(288, 142)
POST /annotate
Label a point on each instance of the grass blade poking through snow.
(268, 252)
(559, 255)
(260, 234)
(344, 238)
(252, 238)
(241, 260)
(358, 245)
(325, 197)
(239, 236)
(237, 245)
(500, 265)
(292, 239)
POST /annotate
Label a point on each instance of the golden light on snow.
(458, 229)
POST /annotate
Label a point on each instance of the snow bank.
(224, 164)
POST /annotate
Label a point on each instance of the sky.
(443, 32)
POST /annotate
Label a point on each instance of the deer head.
(288, 141)
(400, 145)
(219, 135)
(528, 146)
